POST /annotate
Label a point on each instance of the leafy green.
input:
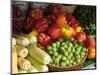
(86, 15)
(88, 62)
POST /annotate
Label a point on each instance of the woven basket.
(79, 66)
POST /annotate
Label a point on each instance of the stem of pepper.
(66, 27)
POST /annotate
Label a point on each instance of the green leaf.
(88, 62)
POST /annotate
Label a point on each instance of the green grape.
(54, 49)
(58, 44)
(69, 49)
(59, 56)
(54, 45)
(49, 47)
(56, 60)
(63, 43)
(67, 42)
(63, 58)
(73, 49)
(76, 53)
(66, 53)
(70, 45)
(69, 57)
(62, 64)
(73, 58)
(74, 63)
(50, 52)
(76, 45)
(71, 54)
(78, 49)
(82, 53)
(53, 57)
(78, 60)
(62, 49)
(78, 56)
(67, 62)
(65, 46)
(55, 53)
(71, 61)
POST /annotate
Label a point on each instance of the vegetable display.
(51, 38)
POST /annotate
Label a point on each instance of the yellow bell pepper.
(33, 33)
(78, 29)
(67, 31)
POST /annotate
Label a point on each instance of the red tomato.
(81, 36)
(28, 26)
(44, 39)
(54, 31)
(41, 25)
(36, 13)
(90, 42)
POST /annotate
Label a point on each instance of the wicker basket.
(79, 66)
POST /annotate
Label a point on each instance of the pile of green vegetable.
(66, 52)
(86, 15)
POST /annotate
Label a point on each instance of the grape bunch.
(66, 52)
